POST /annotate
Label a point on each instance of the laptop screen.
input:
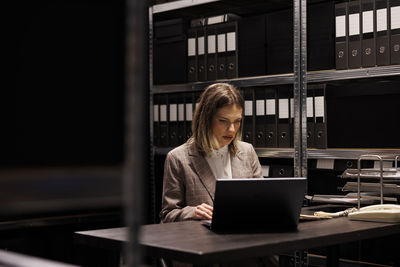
(258, 203)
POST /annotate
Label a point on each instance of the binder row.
(367, 33)
(172, 118)
(269, 116)
(212, 52)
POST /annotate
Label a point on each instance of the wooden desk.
(192, 242)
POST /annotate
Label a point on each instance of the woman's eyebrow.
(223, 117)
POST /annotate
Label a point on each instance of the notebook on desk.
(261, 204)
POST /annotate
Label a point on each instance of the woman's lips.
(227, 137)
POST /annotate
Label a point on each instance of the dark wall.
(62, 92)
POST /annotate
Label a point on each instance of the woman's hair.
(215, 96)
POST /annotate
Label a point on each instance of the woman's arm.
(173, 199)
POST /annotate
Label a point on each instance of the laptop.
(257, 204)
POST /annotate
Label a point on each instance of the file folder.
(368, 58)
(156, 120)
(320, 137)
(354, 34)
(181, 118)
(231, 50)
(341, 37)
(310, 117)
(192, 54)
(172, 120)
(163, 98)
(279, 26)
(260, 118)
(382, 33)
(321, 36)
(201, 54)
(283, 117)
(252, 56)
(211, 33)
(169, 45)
(221, 51)
(394, 31)
(248, 116)
(271, 137)
(188, 114)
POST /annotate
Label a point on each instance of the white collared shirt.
(220, 162)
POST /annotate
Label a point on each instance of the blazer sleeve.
(173, 207)
(255, 164)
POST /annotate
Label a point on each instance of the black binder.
(271, 137)
(201, 54)
(354, 18)
(341, 36)
(181, 118)
(291, 116)
(320, 134)
(310, 117)
(188, 114)
(252, 55)
(368, 58)
(163, 120)
(248, 132)
(382, 33)
(221, 51)
(394, 32)
(231, 50)
(192, 54)
(320, 36)
(172, 120)
(169, 46)
(279, 25)
(211, 33)
(260, 118)
(283, 117)
(156, 120)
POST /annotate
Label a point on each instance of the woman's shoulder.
(244, 146)
(181, 151)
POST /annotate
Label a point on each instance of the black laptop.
(257, 204)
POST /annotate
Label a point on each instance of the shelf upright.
(300, 87)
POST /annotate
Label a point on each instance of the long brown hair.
(214, 97)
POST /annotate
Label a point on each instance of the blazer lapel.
(203, 170)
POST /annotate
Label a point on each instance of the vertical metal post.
(136, 125)
(300, 97)
(152, 179)
(300, 87)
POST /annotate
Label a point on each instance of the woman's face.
(226, 123)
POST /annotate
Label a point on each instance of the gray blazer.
(189, 181)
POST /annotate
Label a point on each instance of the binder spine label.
(283, 108)
(381, 20)
(340, 26)
(320, 107)
(271, 108)
(181, 113)
(189, 111)
(354, 24)
(163, 113)
(368, 21)
(248, 108)
(395, 18)
(155, 113)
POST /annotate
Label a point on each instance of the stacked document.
(350, 198)
(373, 173)
(388, 189)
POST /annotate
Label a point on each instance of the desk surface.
(190, 241)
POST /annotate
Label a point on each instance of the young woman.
(214, 151)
